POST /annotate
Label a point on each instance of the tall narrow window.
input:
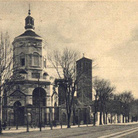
(44, 63)
(36, 59)
(30, 60)
(22, 59)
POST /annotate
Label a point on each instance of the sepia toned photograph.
(68, 69)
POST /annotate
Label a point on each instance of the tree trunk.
(0, 127)
(100, 118)
(0, 115)
(106, 118)
(111, 118)
(94, 119)
(74, 121)
(128, 117)
(123, 119)
(68, 121)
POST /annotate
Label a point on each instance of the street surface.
(104, 131)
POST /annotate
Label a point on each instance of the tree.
(134, 110)
(104, 92)
(5, 65)
(8, 77)
(65, 63)
(114, 105)
(125, 98)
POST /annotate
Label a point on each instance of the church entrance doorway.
(18, 114)
(39, 112)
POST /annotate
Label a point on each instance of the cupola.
(29, 21)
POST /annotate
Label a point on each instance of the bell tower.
(28, 51)
(30, 81)
(84, 73)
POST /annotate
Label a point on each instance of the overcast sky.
(105, 31)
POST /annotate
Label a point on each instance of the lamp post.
(27, 124)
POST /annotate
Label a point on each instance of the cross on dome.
(29, 11)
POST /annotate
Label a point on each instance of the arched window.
(39, 97)
(17, 104)
(36, 59)
(22, 59)
(45, 75)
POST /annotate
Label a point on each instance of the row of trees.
(108, 102)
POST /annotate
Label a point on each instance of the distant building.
(84, 77)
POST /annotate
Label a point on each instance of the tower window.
(45, 63)
(35, 75)
(45, 75)
(36, 59)
(22, 61)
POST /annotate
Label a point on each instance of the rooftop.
(29, 33)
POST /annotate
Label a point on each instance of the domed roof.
(29, 33)
(29, 17)
(29, 26)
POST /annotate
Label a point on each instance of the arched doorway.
(18, 114)
(39, 97)
(39, 103)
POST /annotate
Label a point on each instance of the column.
(97, 118)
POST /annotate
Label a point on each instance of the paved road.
(105, 131)
(132, 135)
(125, 133)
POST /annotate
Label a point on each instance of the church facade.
(30, 89)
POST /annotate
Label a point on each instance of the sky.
(106, 32)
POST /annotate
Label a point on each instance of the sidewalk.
(24, 129)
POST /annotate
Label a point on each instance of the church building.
(31, 96)
(29, 90)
